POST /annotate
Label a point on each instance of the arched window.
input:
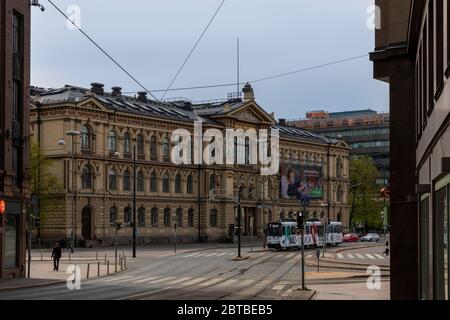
(127, 143)
(153, 182)
(153, 148)
(166, 217)
(166, 186)
(141, 217)
(113, 215)
(127, 216)
(212, 182)
(190, 185)
(140, 144)
(112, 179)
(154, 217)
(86, 177)
(126, 181)
(179, 215)
(177, 183)
(140, 182)
(213, 217)
(191, 218)
(112, 141)
(165, 148)
(85, 138)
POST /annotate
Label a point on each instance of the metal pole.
(72, 233)
(134, 201)
(303, 256)
(239, 222)
(115, 247)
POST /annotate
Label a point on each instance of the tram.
(285, 235)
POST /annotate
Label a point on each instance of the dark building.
(413, 56)
(14, 128)
(365, 131)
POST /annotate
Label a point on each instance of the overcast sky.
(151, 38)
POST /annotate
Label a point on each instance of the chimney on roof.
(282, 122)
(97, 88)
(116, 91)
(142, 96)
(249, 94)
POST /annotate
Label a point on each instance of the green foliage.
(44, 185)
(365, 204)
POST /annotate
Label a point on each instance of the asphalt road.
(209, 274)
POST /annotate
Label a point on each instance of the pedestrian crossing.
(208, 254)
(367, 256)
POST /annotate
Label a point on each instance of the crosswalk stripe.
(144, 280)
(227, 283)
(231, 253)
(117, 278)
(379, 256)
(161, 280)
(178, 280)
(278, 287)
(222, 254)
(370, 256)
(340, 256)
(211, 254)
(309, 256)
(194, 281)
(287, 292)
(190, 255)
(290, 256)
(350, 255)
(360, 256)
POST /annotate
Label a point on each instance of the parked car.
(350, 237)
(370, 237)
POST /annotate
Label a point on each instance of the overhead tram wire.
(103, 51)
(260, 79)
(193, 49)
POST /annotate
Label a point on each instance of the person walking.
(386, 251)
(56, 255)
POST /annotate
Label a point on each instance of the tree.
(365, 205)
(45, 186)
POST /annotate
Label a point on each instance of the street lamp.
(62, 142)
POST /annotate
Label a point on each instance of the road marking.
(117, 278)
(211, 254)
(190, 255)
(278, 287)
(287, 292)
(222, 254)
(227, 283)
(290, 256)
(379, 256)
(145, 279)
(161, 280)
(212, 282)
(350, 256)
(309, 256)
(179, 280)
(360, 256)
(370, 256)
(141, 295)
(231, 253)
(194, 281)
(340, 256)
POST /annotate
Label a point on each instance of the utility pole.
(134, 201)
(301, 225)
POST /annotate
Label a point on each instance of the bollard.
(105, 259)
(115, 265)
(107, 267)
(42, 258)
(96, 253)
(69, 256)
(98, 269)
(125, 262)
(87, 273)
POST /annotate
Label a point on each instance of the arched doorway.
(86, 223)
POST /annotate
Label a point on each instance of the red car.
(350, 237)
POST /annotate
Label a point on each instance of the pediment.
(251, 112)
(92, 103)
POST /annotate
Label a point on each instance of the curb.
(335, 265)
(357, 248)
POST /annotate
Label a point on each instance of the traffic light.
(300, 219)
(2, 207)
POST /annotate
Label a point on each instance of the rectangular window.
(440, 244)
(424, 248)
(448, 38)
(439, 78)
(431, 58)
(424, 75)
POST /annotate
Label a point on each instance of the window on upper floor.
(112, 141)
(85, 138)
(127, 143)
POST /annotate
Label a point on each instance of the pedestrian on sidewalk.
(56, 255)
(386, 251)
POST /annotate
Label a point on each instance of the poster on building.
(301, 182)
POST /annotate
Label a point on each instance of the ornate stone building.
(96, 171)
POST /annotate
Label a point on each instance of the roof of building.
(180, 110)
(353, 113)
